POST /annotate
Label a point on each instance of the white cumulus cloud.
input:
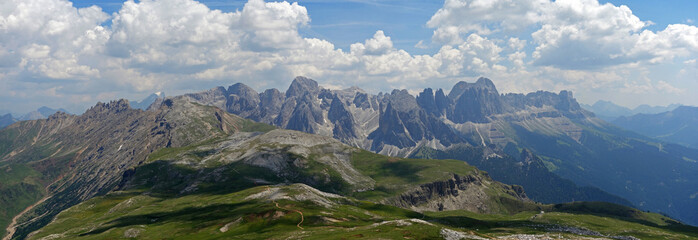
(50, 46)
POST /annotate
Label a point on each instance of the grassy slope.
(397, 175)
(22, 183)
(393, 176)
(156, 210)
(201, 216)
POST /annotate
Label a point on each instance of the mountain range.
(40, 113)
(677, 126)
(610, 111)
(45, 112)
(227, 162)
(569, 141)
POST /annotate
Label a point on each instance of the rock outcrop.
(475, 102)
(343, 120)
(456, 193)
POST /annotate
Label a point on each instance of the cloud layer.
(51, 51)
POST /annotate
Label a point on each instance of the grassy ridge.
(237, 215)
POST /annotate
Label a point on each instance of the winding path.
(292, 210)
(12, 228)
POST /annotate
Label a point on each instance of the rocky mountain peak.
(59, 115)
(474, 102)
(483, 84)
(343, 120)
(115, 106)
(427, 101)
(442, 101)
(567, 102)
(242, 99)
(457, 89)
(301, 85)
(241, 89)
(403, 101)
(361, 100)
(271, 100)
(436, 104)
(564, 102)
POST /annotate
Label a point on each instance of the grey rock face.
(363, 101)
(564, 102)
(404, 123)
(458, 192)
(271, 101)
(475, 102)
(216, 97)
(443, 103)
(305, 115)
(391, 130)
(242, 100)
(436, 104)
(427, 101)
(302, 85)
(344, 124)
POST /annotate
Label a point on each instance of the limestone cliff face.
(404, 123)
(457, 193)
(242, 100)
(344, 123)
(474, 102)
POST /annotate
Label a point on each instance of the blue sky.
(347, 22)
(344, 22)
(629, 52)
